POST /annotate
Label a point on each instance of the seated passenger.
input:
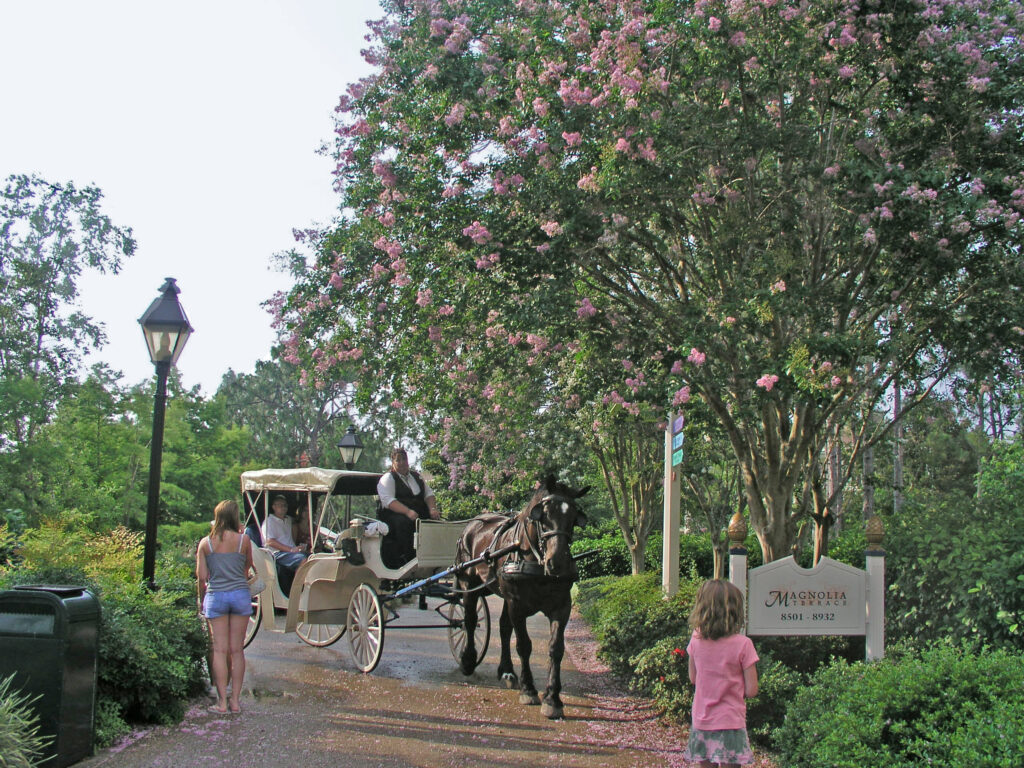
(404, 497)
(277, 536)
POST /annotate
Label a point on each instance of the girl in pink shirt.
(722, 667)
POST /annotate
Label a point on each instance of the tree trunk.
(868, 482)
(637, 551)
(897, 459)
(720, 551)
(835, 490)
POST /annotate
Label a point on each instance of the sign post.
(670, 518)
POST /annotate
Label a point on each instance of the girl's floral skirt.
(730, 746)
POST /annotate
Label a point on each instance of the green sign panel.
(677, 457)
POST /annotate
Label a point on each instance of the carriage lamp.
(166, 329)
(351, 447)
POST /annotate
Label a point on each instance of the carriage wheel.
(254, 622)
(456, 616)
(365, 624)
(320, 635)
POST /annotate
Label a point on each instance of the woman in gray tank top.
(223, 562)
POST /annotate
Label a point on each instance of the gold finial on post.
(737, 530)
(874, 531)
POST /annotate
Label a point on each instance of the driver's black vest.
(417, 502)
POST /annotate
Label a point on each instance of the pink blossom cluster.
(477, 232)
(681, 397)
(696, 357)
(585, 309)
(488, 262)
(551, 228)
(767, 382)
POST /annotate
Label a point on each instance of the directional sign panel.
(677, 440)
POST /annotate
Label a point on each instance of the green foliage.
(20, 742)
(955, 564)
(110, 724)
(661, 673)
(848, 547)
(943, 706)
(612, 554)
(628, 614)
(152, 654)
(152, 645)
(285, 417)
(50, 234)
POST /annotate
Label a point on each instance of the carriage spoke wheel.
(319, 635)
(254, 622)
(456, 616)
(365, 625)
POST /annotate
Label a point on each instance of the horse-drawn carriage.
(345, 587)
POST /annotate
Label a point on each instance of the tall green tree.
(290, 420)
(49, 234)
(779, 208)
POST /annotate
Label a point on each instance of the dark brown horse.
(536, 576)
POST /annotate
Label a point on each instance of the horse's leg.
(506, 672)
(468, 661)
(551, 706)
(527, 691)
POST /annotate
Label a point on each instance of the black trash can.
(49, 641)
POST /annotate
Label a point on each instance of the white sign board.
(785, 599)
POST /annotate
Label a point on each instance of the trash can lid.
(76, 603)
(64, 590)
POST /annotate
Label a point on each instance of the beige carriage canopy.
(336, 482)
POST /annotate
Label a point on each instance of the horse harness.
(533, 533)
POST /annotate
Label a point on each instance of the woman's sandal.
(214, 708)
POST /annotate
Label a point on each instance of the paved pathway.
(308, 707)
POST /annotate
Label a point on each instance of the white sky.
(200, 121)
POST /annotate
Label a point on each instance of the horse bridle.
(535, 524)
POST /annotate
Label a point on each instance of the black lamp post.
(166, 329)
(351, 448)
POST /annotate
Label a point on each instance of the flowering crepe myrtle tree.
(778, 207)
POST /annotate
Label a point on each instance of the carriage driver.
(404, 497)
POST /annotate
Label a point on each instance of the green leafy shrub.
(152, 654)
(942, 706)
(661, 673)
(629, 614)
(152, 645)
(610, 555)
(20, 742)
(110, 723)
(696, 559)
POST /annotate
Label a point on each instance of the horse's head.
(552, 513)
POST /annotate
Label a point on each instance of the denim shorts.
(237, 601)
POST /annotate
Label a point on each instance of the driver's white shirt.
(386, 487)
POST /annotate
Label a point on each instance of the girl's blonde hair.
(718, 609)
(225, 518)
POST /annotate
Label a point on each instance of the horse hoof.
(530, 699)
(510, 680)
(551, 712)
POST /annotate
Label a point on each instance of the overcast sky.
(200, 121)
